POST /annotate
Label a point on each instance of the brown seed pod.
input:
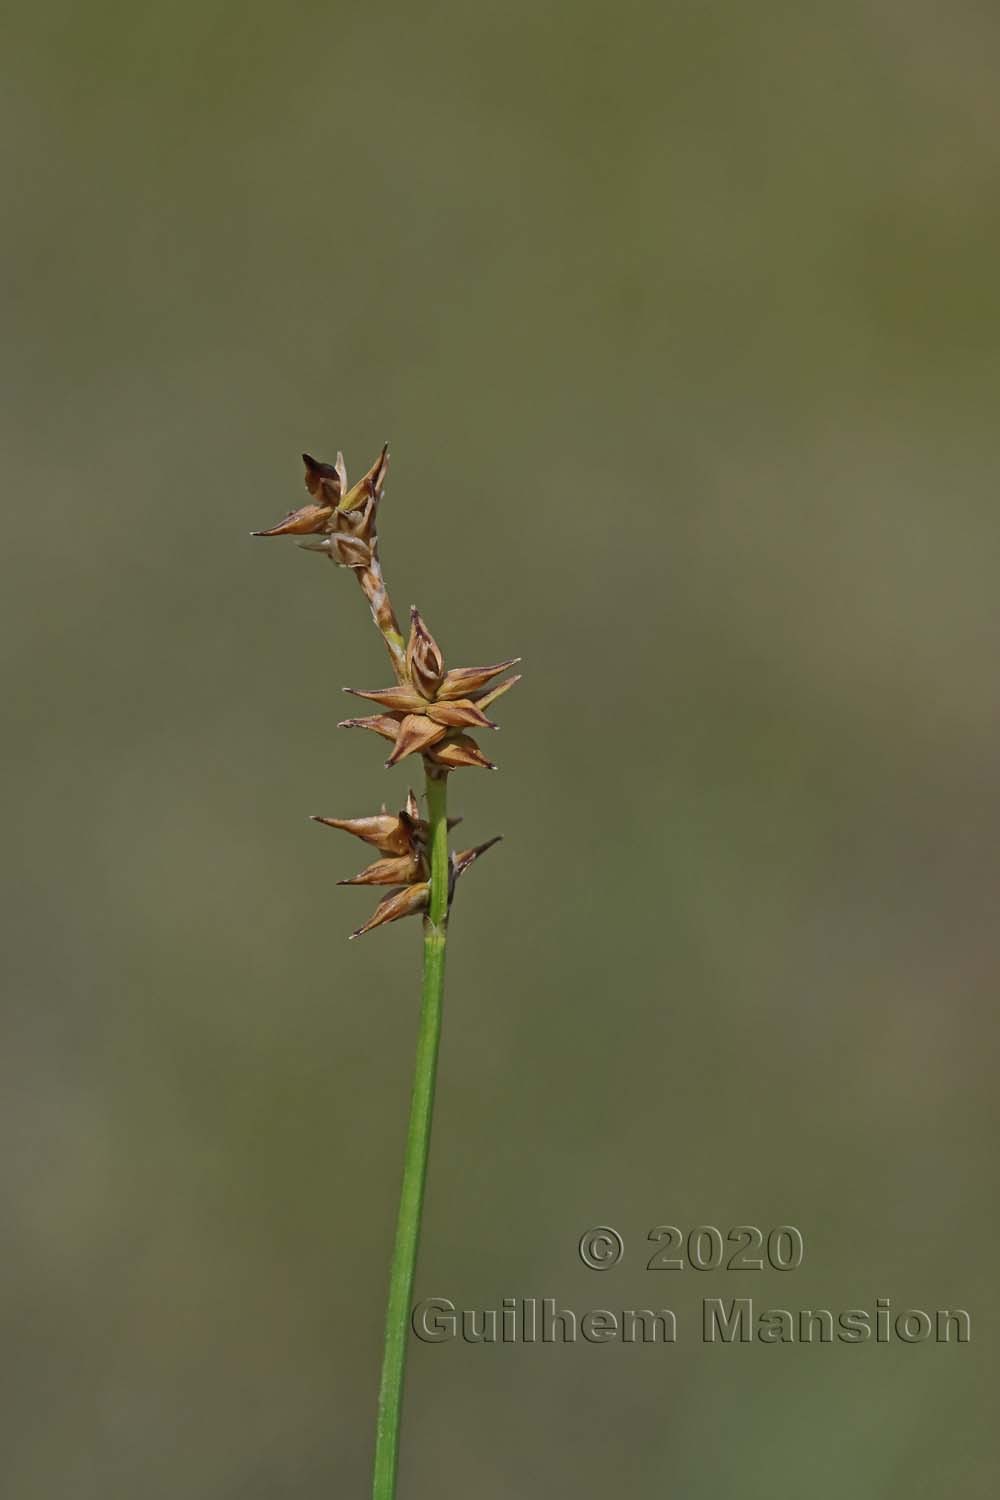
(432, 707)
(401, 838)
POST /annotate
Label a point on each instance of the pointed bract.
(460, 714)
(404, 868)
(402, 698)
(386, 831)
(460, 862)
(454, 753)
(304, 522)
(416, 733)
(461, 681)
(369, 486)
(485, 697)
(402, 903)
(382, 724)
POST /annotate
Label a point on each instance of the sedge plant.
(427, 711)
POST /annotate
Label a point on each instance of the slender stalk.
(404, 1255)
(429, 711)
(373, 587)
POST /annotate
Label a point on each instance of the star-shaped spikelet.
(340, 523)
(429, 712)
(343, 518)
(401, 840)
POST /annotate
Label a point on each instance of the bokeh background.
(682, 320)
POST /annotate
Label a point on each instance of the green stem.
(404, 1255)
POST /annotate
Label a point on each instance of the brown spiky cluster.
(343, 519)
(427, 711)
(401, 840)
(430, 711)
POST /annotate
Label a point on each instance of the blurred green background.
(682, 321)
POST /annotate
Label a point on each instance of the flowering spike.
(339, 523)
(428, 709)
